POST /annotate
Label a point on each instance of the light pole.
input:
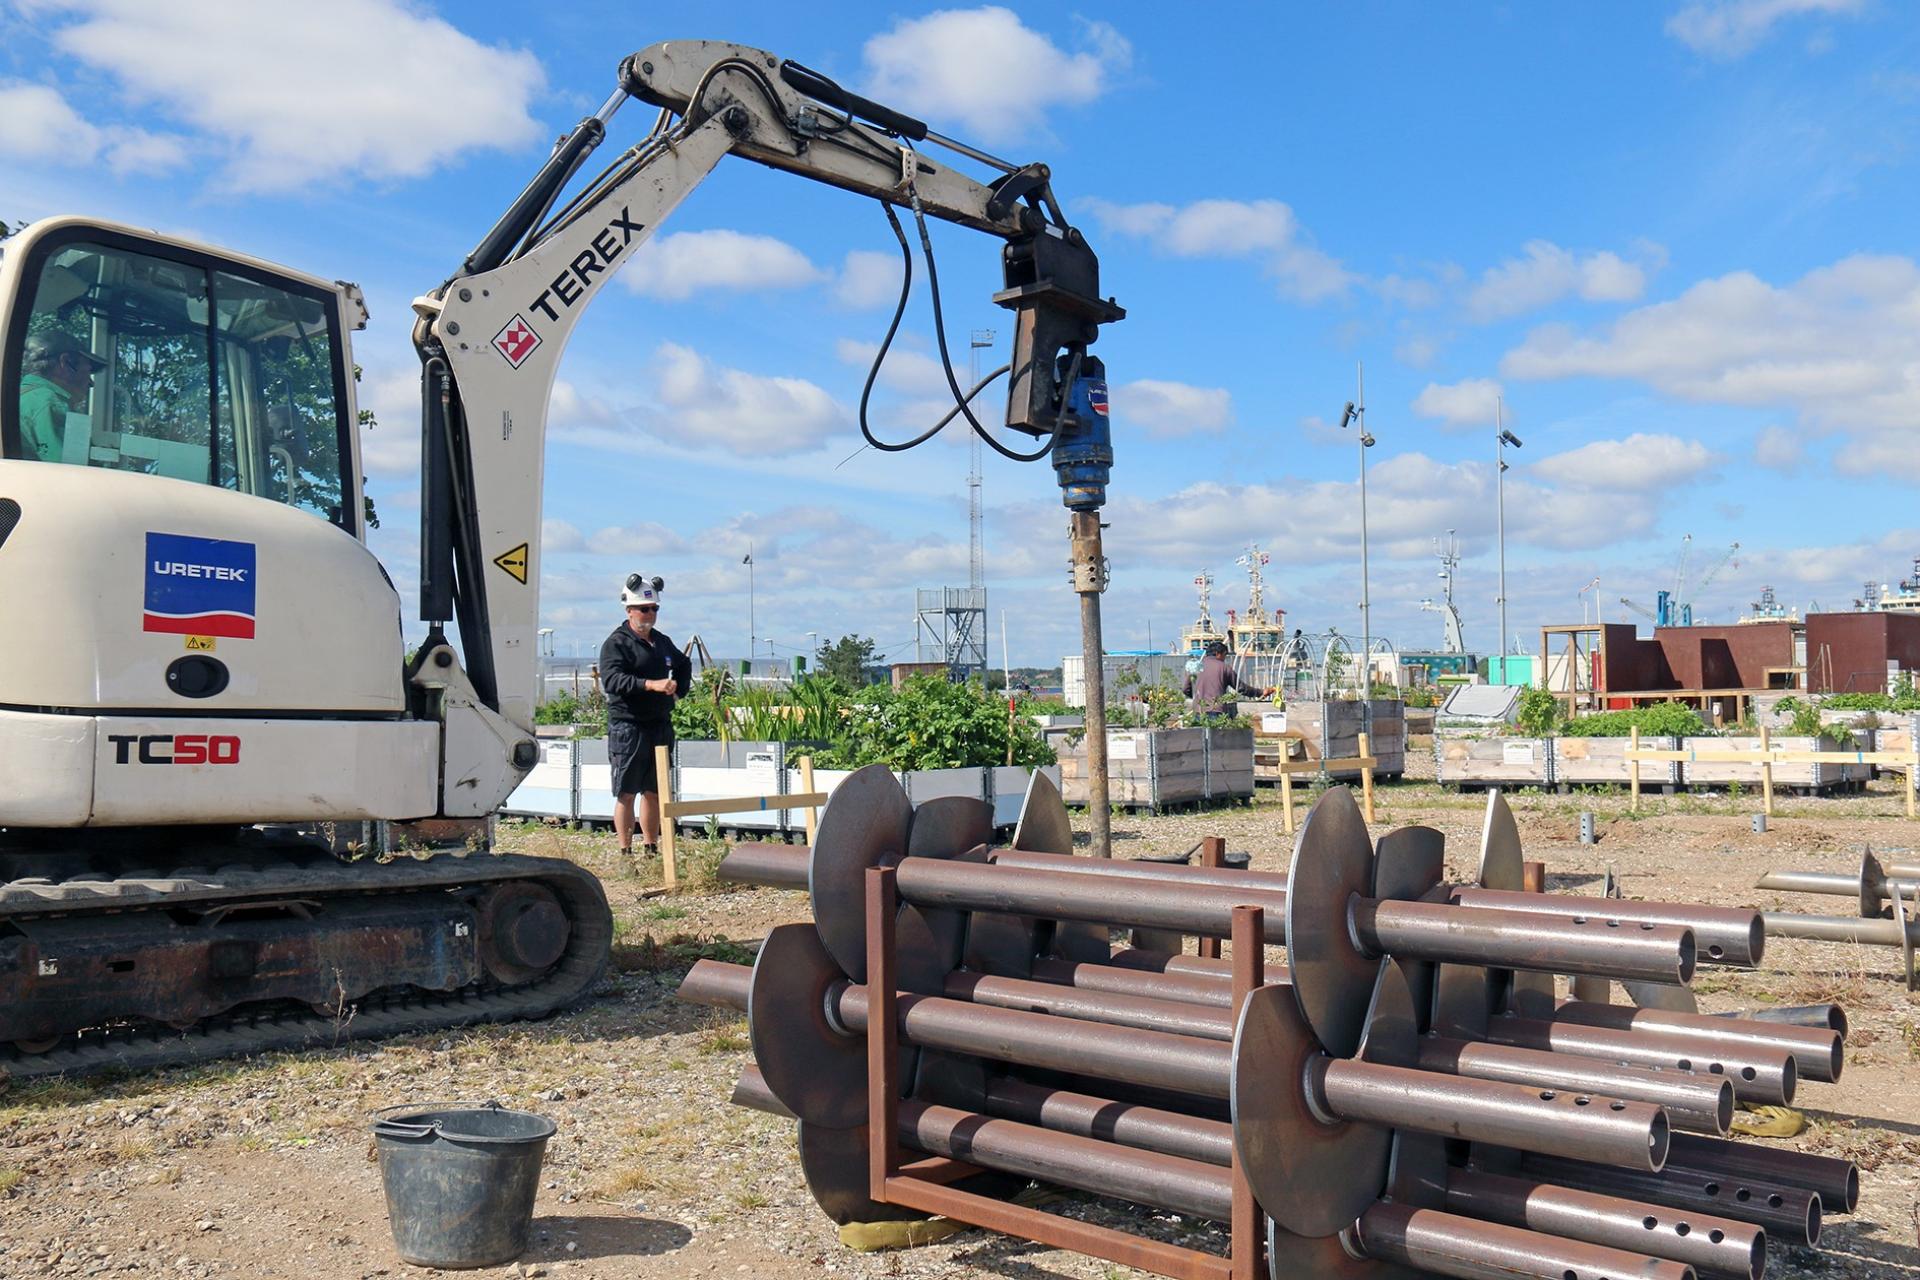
(1502, 438)
(1357, 410)
(753, 634)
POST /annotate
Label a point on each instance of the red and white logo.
(516, 342)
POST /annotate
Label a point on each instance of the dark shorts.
(630, 752)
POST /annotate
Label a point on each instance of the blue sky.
(1676, 238)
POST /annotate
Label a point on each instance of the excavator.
(199, 654)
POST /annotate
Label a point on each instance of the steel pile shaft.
(1145, 1177)
(1837, 883)
(774, 866)
(717, 983)
(1194, 988)
(1714, 1246)
(1879, 933)
(1757, 1075)
(1128, 1124)
(1836, 1181)
(1579, 1126)
(1411, 930)
(1008, 1146)
(1724, 935)
(1799, 1015)
(1173, 872)
(1700, 1103)
(1511, 940)
(1789, 1214)
(1172, 962)
(1145, 1013)
(1816, 1051)
(1428, 1240)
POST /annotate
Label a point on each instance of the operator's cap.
(641, 589)
(51, 343)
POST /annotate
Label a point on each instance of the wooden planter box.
(1588, 761)
(1714, 773)
(1328, 731)
(1482, 762)
(1898, 731)
(1155, 768)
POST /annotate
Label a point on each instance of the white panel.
(46, 769)
(262, 770)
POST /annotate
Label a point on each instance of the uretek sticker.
(200, 587)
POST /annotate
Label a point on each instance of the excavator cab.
(129, 354)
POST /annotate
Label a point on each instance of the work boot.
(649, 852)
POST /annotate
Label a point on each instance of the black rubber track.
(274, 1029)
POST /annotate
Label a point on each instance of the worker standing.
(1210, 686)
(642, 672)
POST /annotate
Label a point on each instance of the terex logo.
(175, 748)
(571, 285)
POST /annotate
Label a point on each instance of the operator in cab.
(643, 672)
(56, 374)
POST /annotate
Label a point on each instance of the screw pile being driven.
(1406, 1095)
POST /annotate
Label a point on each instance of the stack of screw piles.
(1406, 1095)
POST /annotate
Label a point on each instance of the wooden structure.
(925, 1183)
(1767, 758)
(1327, 734)
(806, 799)
(1364, 764)
(1493, 762)
(1585, 657)
(1156, 768)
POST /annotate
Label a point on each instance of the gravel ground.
(264, 1167)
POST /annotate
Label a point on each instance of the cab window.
(195, 371)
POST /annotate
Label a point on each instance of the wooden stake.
(663, 772)
(1633, 766)
(806, 784)
(1366, 776)
(1286, 795)
(1766, 772)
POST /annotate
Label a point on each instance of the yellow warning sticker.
(200, 644)
(515, 563)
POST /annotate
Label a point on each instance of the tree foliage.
(847, 660)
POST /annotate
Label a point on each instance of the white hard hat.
(640, 589)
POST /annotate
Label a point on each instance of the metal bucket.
(460, 1181)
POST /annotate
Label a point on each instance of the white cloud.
(560, 535)
(1545, 273)
(643, 539)
(1729, 29)
(709, 405)
(1778, 449)
(1169, 409)
(984, 72)
(302, 95)
(38, 124)
(687, 263)
(868, 279)
(910, 372)
(568, 408)
(1264, 230)
(1838, 345)
(393, 447)
(1641, 462)
(1469, 403)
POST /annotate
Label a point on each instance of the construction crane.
(213, 654)
(1658, 619)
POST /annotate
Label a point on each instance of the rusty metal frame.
(922, 1184)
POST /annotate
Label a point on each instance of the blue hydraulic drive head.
(1083, 446)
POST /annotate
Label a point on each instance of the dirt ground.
(264, 1167)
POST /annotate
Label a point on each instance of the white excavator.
(198, 652)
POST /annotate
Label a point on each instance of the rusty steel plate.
(1001, 946)
(1464, 998)
(834, 1163)
(1408, 863)
(865, 824)
(1292, 1257)
(1332, 865)
(929, 941)
(1417, 1170)
(1044, 827)
(1312, 1176)
(1408, 866)
(951, 1080)
(1503, 866)
(1389, 1037)
(816, 1072)
(1873, 879)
